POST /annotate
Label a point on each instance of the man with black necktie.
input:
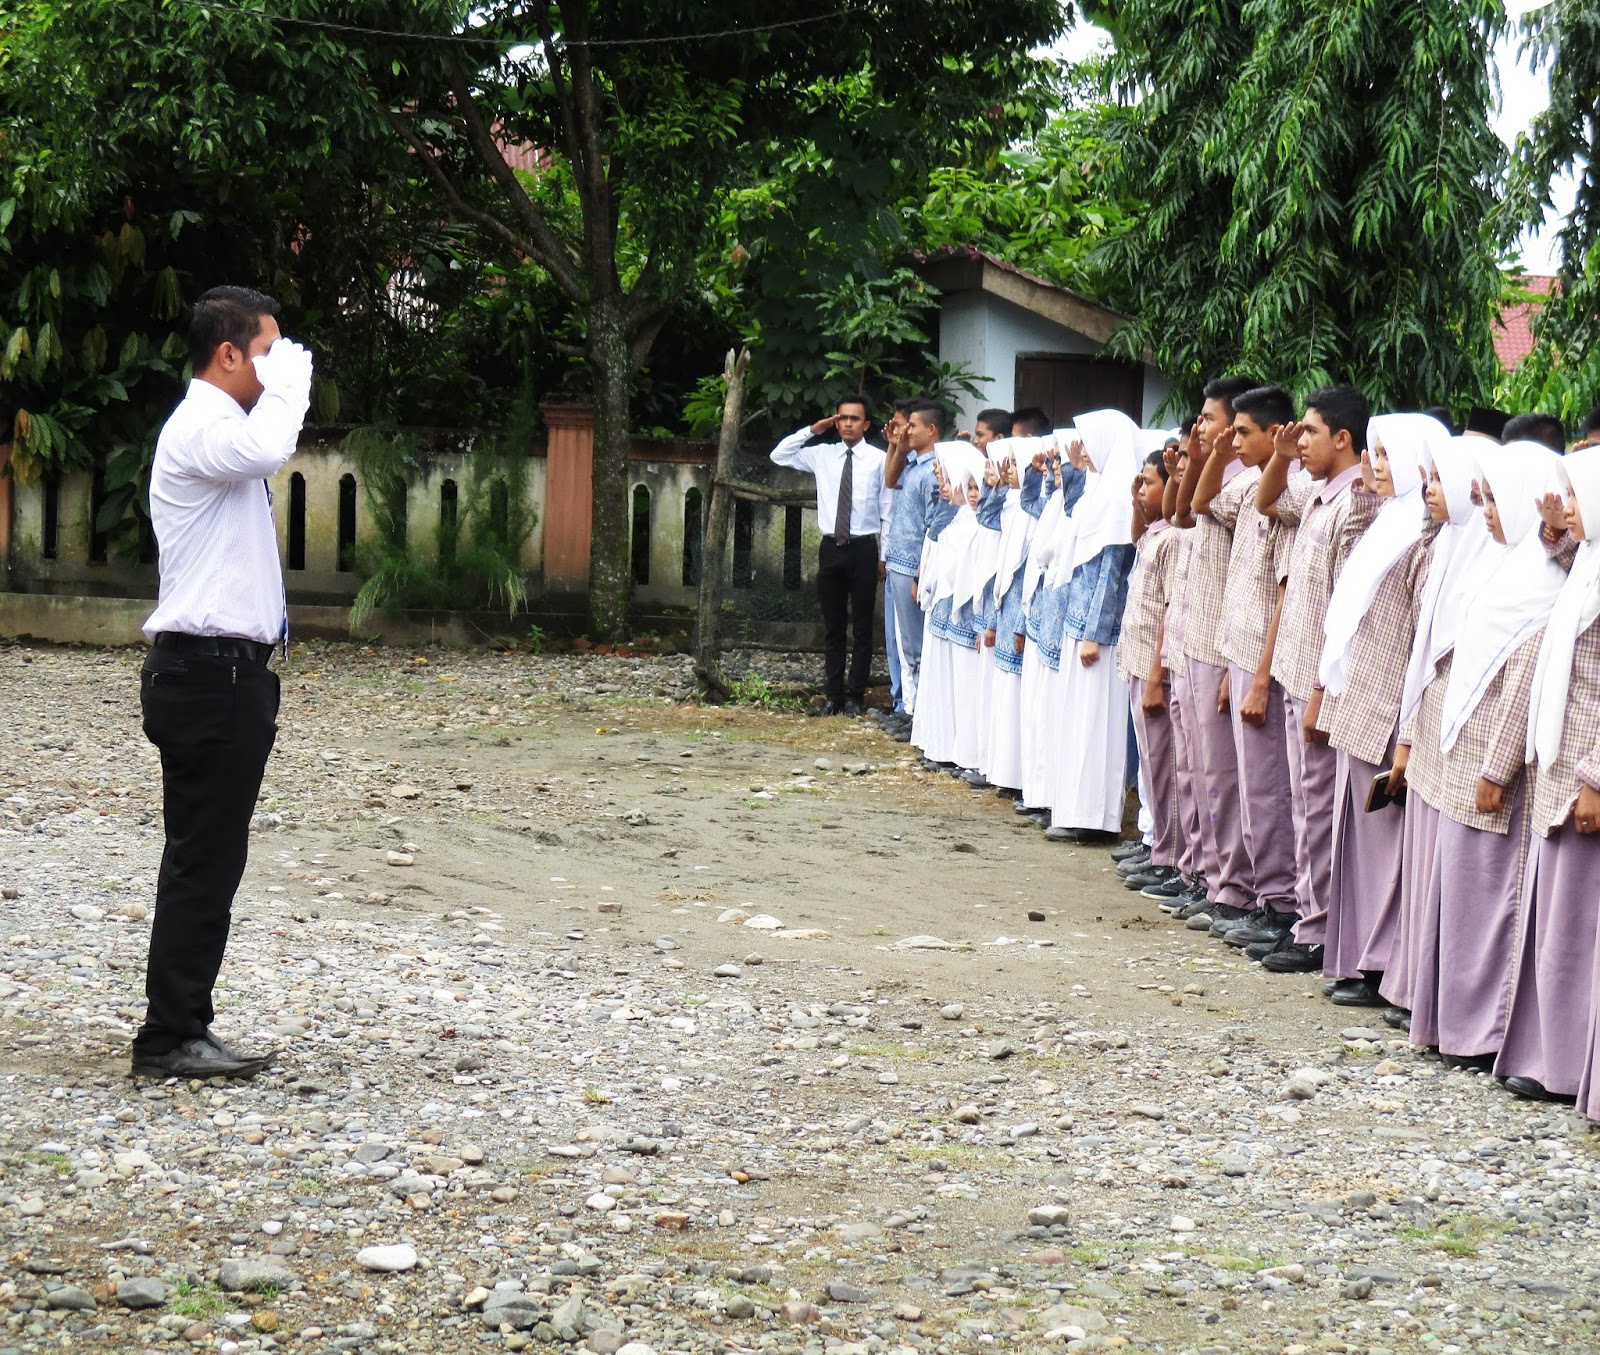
(853, 514)
(209, 698)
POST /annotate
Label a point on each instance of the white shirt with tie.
(212, 514)
(870, 501)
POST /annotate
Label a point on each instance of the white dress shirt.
(209, 505)
(870, 501)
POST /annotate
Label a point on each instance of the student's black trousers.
(847, 587)
(213, 720)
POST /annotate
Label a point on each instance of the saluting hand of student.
(822, 426)
(1222, 444)
(1553, 510)
(1169, 458)
(1286, 441)
(1369, 478)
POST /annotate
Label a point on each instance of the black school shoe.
(1224, 917)
(1398, 1017)
(1133, 865)
(1144, 879)
(1357, 993)
(1530, 1090)
(1265, 924)
(1132, 847)
(1165, 890)
(1291, 957)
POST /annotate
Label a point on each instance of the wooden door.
(1064, 385)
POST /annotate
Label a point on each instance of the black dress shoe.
(827, 708)
(1398, 1017)
(1291, 957)
(201, 1058)
(1530, 1090)
(1357, 993)
(852, 708)
(1472, 1063)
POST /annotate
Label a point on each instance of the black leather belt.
(218, 646)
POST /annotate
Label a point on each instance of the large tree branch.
(599, 208)
(642, 328)
(563, 92)
(550, 251)
(452, 195)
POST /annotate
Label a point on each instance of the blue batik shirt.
(909, 518)
(1096, 594)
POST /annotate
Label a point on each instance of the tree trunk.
(707, 641)
(610, 569)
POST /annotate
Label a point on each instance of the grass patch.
(1458, 1236)
(59, 1163)
(593, 1096)
(889, 1051)
(197, 1300)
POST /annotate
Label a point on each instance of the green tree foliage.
(1322, 178)
(652, 129)
(1562, 373)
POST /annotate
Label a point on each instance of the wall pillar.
(568, 496)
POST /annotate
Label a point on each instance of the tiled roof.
(1513, 331)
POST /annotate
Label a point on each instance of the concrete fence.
(51, 552)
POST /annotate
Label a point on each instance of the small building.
(1032, 342)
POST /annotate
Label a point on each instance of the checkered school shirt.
(1178, 595)
(1259, 557)
(1328, 523)
(1555, 789)
(1361, 719)
(1208, 579)
(1149, 588)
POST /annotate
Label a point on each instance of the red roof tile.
(1513, 331)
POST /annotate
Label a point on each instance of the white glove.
(284, 370)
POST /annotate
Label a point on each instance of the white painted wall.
(985, 333)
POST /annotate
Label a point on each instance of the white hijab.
(1577, 607)
(1511, 594)
(1105, 512)
(1016, 526)
(1458, 552)
(1407, 439)
(1054, 533)
(961, 559)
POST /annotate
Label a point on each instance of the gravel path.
(610, 1023)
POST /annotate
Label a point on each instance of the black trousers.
(847, 587)
(214, 721)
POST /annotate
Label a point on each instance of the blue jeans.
(891, 649)
(907, 634)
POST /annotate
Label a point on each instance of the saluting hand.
(822, 426)
(1286, 441)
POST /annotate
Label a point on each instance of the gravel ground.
(608, 1022)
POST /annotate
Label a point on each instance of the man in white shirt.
(209, 699)
(853, 515)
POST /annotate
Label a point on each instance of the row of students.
(1360, 660)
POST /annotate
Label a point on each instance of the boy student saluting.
(1231, 887)
(1328, 441)
(852, 512)
(1252, 601)
(908, 475)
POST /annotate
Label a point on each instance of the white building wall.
(986, 333)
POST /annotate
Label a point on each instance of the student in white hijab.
(1551, 1048)
(1089, 785)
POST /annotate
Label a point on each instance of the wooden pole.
(719, 518)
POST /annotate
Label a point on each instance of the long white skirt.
(933, 723)
(966, 688)
(1040, 686)
(985, 697)
(1004, 767)
(1090, 747)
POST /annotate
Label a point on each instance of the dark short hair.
(843, 400)
(997, 419)
(1545, 428)
(1345, 410)
(1591, 422)
(1442, 414)
(932, 411)
(225, 315)
(1159, 461)
(906, 406)
(1031, 419)
(1227, 389)
(1266, 405)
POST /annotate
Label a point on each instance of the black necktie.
(841, 518)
